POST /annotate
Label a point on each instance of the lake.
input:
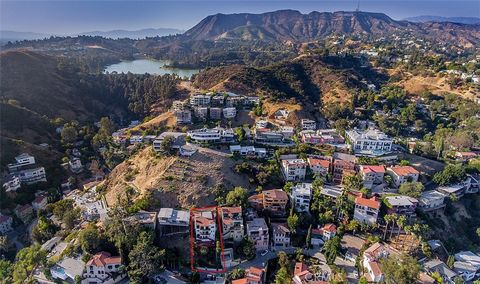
(155, 67)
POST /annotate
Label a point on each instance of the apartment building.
(366, 210)
(257, 230)
(275, 201)
(102, 268)
(232, 222)
(280, 235)
(201, 112)
(372, 175)
(370, 142)
(301, 197)
(183, 116)
(294, 169)
(215, 113)
(403, 174)
(200, 100)
(205, 226)
(343, 165)
(229, 112)
(308, 124)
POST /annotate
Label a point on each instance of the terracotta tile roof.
(330, 228)
(404, 170)
(373, 169)
(280, 227)
(275, 194)
(371, 203)
(232, 210)
(203, 221)
(375, 268)
(240, 281)
(299, 268)
(318, 162)
(103, 258)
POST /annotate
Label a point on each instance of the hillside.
(290, 25)
(37, 84)
(174, 181)
(313, 81)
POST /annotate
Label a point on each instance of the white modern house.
(12, 183)
(214, 135)
(31, 176)
(257, 230)
(75, 165)
(301, 197)
(21, 160)
(200, 100)
(229, 112)
(308, 124)
(294, 169)
(431, 200)
(370, 142)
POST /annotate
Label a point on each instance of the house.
(352, 246)
(366, 210)
(370, 142)
(294, 169)
(215, 113)
(303, 275)
(248, 151)
(343, 165)
(229, 112)
(431, 200)
(333, 191)
(214, 135)
(68, 269)
(372, 175)
(75, 165)
(183, 116)
(301, 196)
(458, 190)
(466, 270)
(319, 166)
(371, 261)
(322, 136)
(178, 139)
(465, 156)
(135, 139)
(401, 205)
(5, 224)
(12, 183)
(232, 222)
(436, 265)
(102, 268)
(267, 136)
(287, 131)
(280, 236)
(308, 124)
(200, 100)
(319, 236)
(40, 202)
(281, 114)
(31, 176)
(257, 230)
(173, 222)
(474, 183)
(144, 219)
(468, 256)
(253, 275)
(403, 174)
(24, 212)
(275, 201)
(21, 161)
(205, 226)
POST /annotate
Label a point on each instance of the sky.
(70, 16)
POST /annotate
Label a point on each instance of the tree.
(26, 261)
(6, 268)
(353, 182)
(450, 174)
(331, 248)
(248, 247)
(237, 197)
(288, 187)
(282, 276)
(166, 145)
(283, 259)
(145, 259)
(308, 239)
(292, 222)
(402, 269)
(412, 189)
(44, 230)
(106, 127)
(89, 239)
(69, 134)
(236, 273)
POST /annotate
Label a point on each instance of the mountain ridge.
(429, 18)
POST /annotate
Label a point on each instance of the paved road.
(260, 260)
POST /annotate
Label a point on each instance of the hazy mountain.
(136, 34)
(14, 36)
(460, 20)
(290, 25)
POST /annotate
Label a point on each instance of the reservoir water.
(154, 67)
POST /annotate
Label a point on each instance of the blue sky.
(69, 17)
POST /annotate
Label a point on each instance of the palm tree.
(388, 218)
(408, 230)
(402, 220)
